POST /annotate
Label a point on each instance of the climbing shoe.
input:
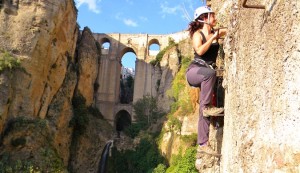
(207, 150)
(212, 111)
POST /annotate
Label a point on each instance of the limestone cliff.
(39, 74)
(88, 57)
(261, 78)
(42, 34)
(174, 92)
(90, 132)
(262, 88)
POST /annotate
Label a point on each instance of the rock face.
(90, 145)
(88, 57)
(35, 98)
(171, 65)
(261, 131)
(43, 35)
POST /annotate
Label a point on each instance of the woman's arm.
(222, 32)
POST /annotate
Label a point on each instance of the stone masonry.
(107, 98)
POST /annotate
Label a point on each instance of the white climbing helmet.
(202, 10)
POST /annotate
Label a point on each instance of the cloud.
(130, 22)
(126, 21)
(92, 4)
(167, 10)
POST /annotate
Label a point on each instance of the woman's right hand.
(216, 34)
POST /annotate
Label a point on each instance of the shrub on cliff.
(147, 113)
(8, 61)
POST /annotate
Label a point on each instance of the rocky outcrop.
(90, 145)
(43, 35)
(88, 58)
(36, 97)
(168, 68)
(171, 66)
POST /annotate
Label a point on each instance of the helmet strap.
(202, 21)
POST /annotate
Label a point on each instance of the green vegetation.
(160, 55)
(37, 126)
(147, 113)
(8, 166)
(126, 87)
(190, 140)
(49, 161)
(185, 163)
(18, 142)
(174, 123)
(79, 121)
(181, 106)
(146, 110)
(44, 159)
(8, 61)
(144, 158)
(161, 168)
(179, 91)
(95, 112)
(130, 81)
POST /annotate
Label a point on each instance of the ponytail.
(195, 24)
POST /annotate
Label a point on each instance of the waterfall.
(104, 155)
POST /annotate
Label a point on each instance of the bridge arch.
(126, 50)
(153, 43)
(122, 120)
(105, 44)
(104, 40)
(127, 77)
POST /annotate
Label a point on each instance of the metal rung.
(219, 115)
(252, 6)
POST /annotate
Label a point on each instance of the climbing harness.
(203, 63)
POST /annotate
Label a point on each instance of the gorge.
(59, 93)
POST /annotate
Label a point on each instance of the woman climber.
(201, 73)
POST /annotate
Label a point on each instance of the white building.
(127, 72)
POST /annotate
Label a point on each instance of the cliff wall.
(261, 131)
(41, 76)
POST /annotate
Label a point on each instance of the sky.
(136, 16)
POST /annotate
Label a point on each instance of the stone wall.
(262, 74)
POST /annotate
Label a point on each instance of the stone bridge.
(108, 92)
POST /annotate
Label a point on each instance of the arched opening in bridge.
(122, 120)
(154, 47)
(127, 76)
(105, 46)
